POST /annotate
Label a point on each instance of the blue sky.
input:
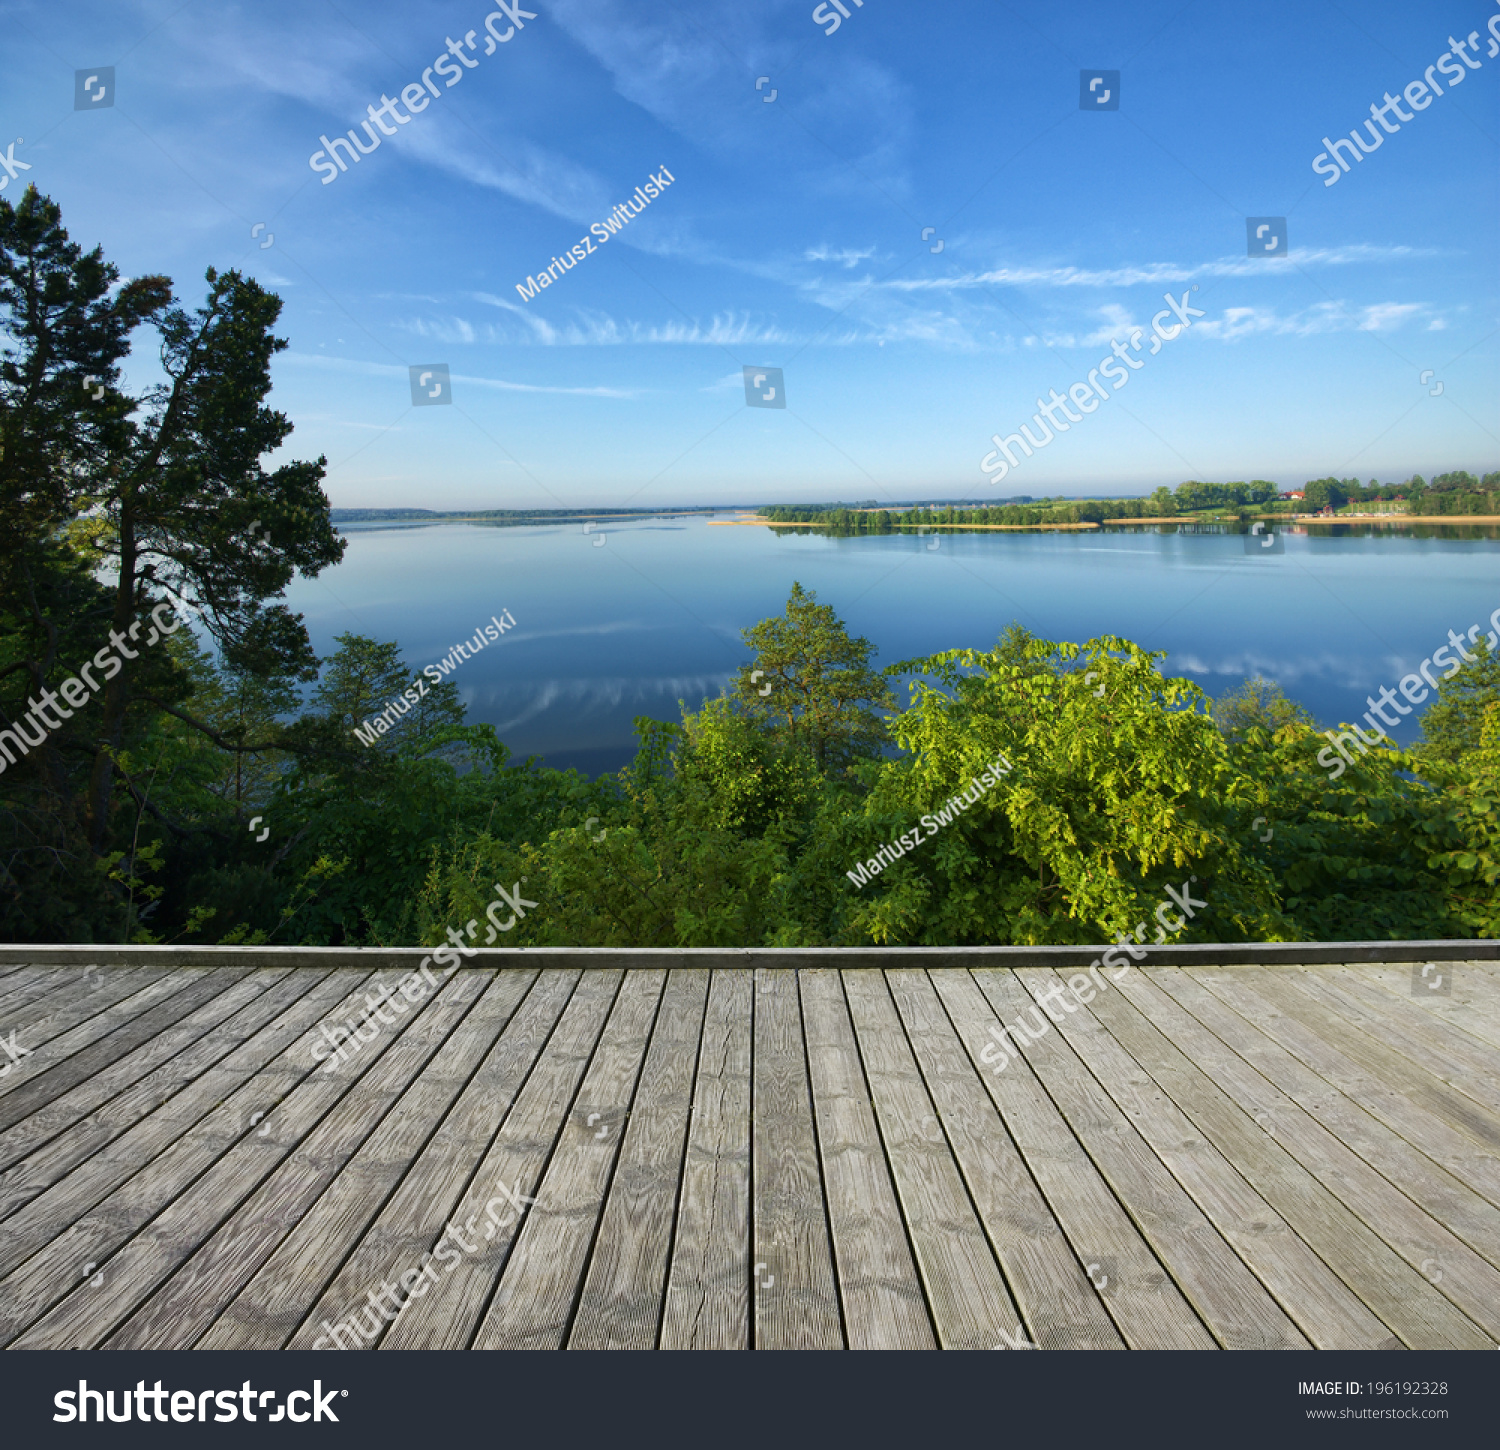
(791, 236)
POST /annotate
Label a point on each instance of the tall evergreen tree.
(813, 684)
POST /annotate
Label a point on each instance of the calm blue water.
(652, 616)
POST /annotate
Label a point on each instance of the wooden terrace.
(1207, 1156)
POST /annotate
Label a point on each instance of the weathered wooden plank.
(545, 1270)
(1463, 1275)
(208, 1255)
(1050, 1285)
(1231, 1300)
(447, 1315)
(794, 1297)
(1471, 1002)
(1453, 1203)
(164, 1152)
(708, 1293)
(1432, 1046)
(261, 1182)
(1468, 999)
(30, 985)
(1384, 1285)
(1428, 1132)
(53, 1076)
(47, 993)
(45, 1146)
(625, 1288)
(877, 1277)
(63, 1029)
(331, 1112)
(28, 982)
(43, 1021)
(1114, 1257)
(271, 1311)
(214, 1234)
(967, 1296)
(178, 1313)
(1417, 1083)
(134, 1066)
(1327, 1311)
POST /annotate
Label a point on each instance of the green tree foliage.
(727, 831)
(1452, 723)
(112, 508)
(811, 685)
(1193, 495)
(1323, 493)
(363, 679)
(1464, 834)
(1350, 857)
(1111, 798)
(1257, 703)
(65, 324)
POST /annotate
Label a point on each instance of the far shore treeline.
(204, 784)
(1455, 493)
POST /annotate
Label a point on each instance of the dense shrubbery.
(737, 825)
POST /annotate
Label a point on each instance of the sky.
(921, 216)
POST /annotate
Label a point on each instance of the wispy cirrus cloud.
(845, 256)
(1154, 273)
(1234, 323)
(390, 370)
(597, 329)
(1334, 316)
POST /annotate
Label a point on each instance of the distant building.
(1295, 493)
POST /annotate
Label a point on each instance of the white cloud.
(595, 329)
(1154, 273)
(846, 257)
(391, 370)
(1322, 317)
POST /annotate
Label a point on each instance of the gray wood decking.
(1241, 1157)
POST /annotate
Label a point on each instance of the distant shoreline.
(340, 517)
(1396, 519)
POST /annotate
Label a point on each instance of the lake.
(606, 631)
